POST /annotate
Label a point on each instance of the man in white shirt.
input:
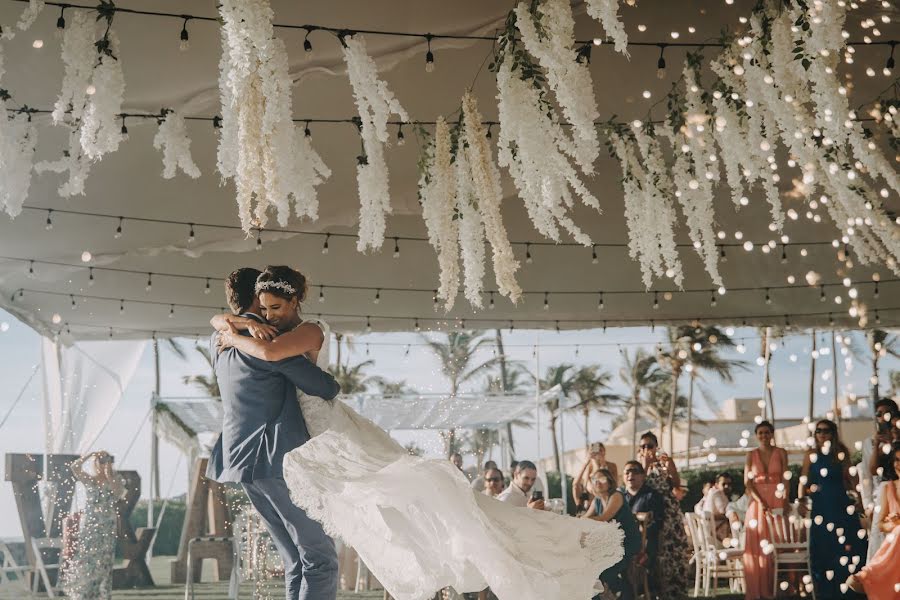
(716, 502)
(478, 482)
(519, 491)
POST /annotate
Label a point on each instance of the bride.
(415, 522)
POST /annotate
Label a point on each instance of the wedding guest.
(596, 460)
(763, 471)
(736, 511)
(456, 459)
(493, 482)
(519, 492)
(681, 493)
(609, 505)
(478, 482)
(647, 506)
(880, 578)
(674, 550)
(835, 548)
(875, 462)
(513, 468)
(88, 573)
(715, 502)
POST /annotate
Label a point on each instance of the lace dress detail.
(419, 526)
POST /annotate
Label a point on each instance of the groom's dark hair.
(240, 289)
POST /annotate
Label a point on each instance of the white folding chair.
(39, 545)
(9, 566)
(789, 549)
(697, 557)
(720, 562)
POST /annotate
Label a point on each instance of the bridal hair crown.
(281, 285)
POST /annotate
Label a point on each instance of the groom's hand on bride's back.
(307, 377)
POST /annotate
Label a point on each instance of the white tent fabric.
(128, 184)
(192, 424)
(83, 384)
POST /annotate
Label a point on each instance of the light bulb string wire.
(424, 36)
(120, 219)
(819, 287)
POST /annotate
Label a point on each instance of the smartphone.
(537, 495)
(595, 448)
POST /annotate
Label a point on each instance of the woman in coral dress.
(763, 472)
(880, 579)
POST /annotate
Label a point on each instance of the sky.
(398, 356)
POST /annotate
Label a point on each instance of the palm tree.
(657, 407)
(480, 442)
(675, 358)
(705, 356)
(512, 379)
(895, 382)
(588, 385)
(456, 354)
(206, 383)
(392, 388)
(879, 344)
(639, 372)
(353, 379)
(559, 375)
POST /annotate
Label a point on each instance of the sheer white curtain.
(83, 384)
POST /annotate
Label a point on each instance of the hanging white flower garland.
(471, 232)
(30, 14)
(175, 144)
(100, 129)
(485, 178)
(18, 138)
(437, 191)
(258, 143)
(607, 13)
(534, 148)
(554, 48)
(375, 103)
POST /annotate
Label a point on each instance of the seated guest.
(609, 505)
(519, 492)
(478, 482)
(513, 468)
(596, 460)
(493, 482)
(736, 511)
(646, 504)
(715, 501)
(456, 459)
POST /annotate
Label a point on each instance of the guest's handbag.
(71, 528)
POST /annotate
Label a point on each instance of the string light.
(74, 305)
(429, 56)
(191, 236)
(321, 293)
(528, 259)
(546, 300)
(207, 289)
(557, 327)
(594, 259)
(600, 303)
(491, 303)
(307, 45)
(325, 245)
(416, 325)
(368, 324)
(118, 233)
(396, 247)
(661, 63)
(889, 65)
(49, 225)
(768, 297)
(488, 135)
(822, 296)
(377, 298)
(217, 122)
(434, 300)
(875, 292)
(149, 282)
(259, 239)
(90, 275)
(61, 20)
(655, 300)
(171, 311)
(511, 326)
(784, 258)
(184, 44)
(401, 139)
(722, 256)
(712, 298)
(121, 306)
(31, 269)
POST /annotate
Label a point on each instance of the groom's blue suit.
(262, 421)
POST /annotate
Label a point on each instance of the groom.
(262, 422)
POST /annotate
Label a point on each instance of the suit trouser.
(310, 560)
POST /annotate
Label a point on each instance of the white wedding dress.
(418, 525)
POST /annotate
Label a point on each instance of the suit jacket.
(262, 419)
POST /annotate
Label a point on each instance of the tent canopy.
(155, 213)
(193, 424)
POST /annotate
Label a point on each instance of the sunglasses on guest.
(493, 479)
(647, 446)
(823, 430)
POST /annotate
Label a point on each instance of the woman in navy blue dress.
(836, 545)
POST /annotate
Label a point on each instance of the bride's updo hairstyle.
(282, 281)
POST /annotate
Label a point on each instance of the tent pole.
(834, 376)
(154, 444)
(537, 408)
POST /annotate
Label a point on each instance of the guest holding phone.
(596, 460)
(493, 482)
(674, 552)
(519, 492)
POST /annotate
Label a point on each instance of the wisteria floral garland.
(100, 129)
(18, 138)
(437, 192)
(548, 34)
(173, 140)
(258, 141)
(30, 14)
(486, 185)
(607, 13)
(375, 103)
(471, 232)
